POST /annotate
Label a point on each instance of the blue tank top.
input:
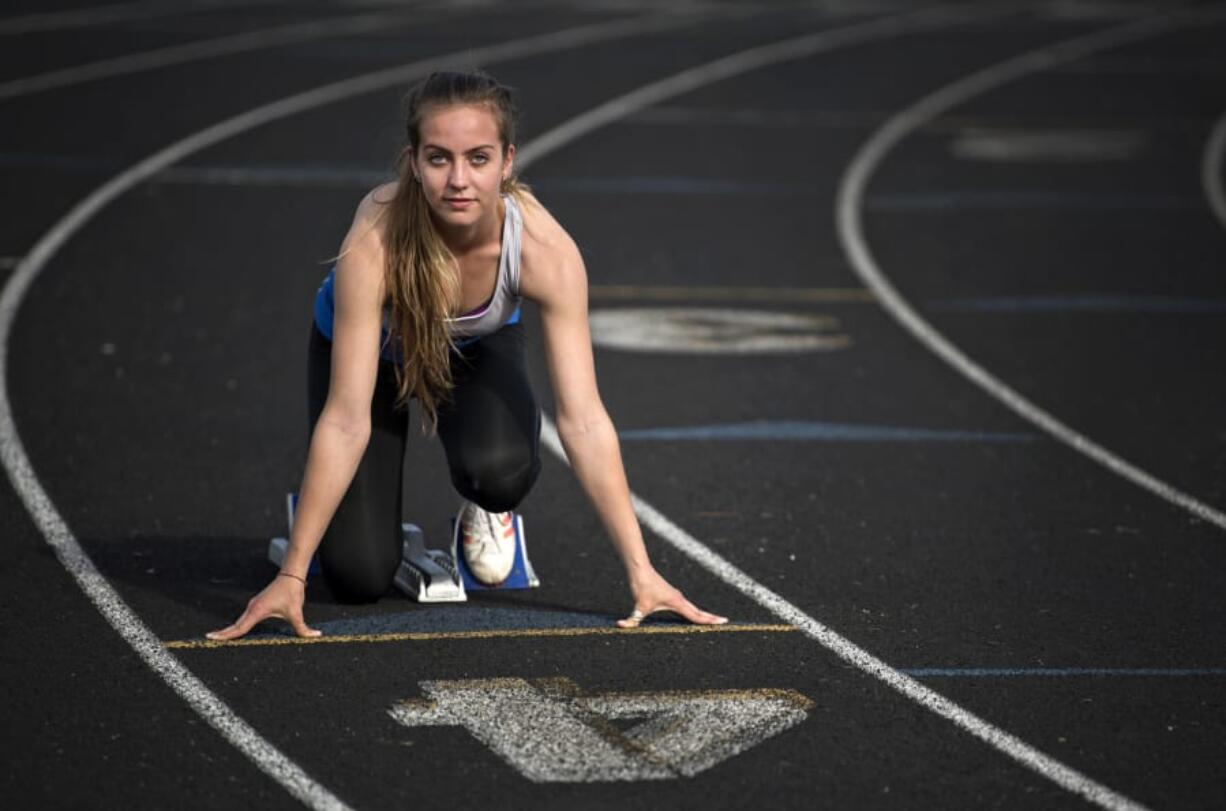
(502, 308)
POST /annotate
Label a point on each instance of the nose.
(457, 178)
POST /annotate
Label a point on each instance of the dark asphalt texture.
(157, 376)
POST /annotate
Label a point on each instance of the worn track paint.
(1047, 146)
(550, 733)
(711, 331)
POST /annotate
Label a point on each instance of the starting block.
(429, 575)
(435, 575)
(522, 575)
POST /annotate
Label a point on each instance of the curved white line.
(1211, 174)
(851, 233)
(202, 49)
(117, 12)
(17, 464)
(1015, 748)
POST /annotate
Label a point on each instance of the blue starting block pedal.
(438, 576)
(522, 575)
(278, 547)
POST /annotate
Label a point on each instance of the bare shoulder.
(360, 263)
(366, 233)
(541, 230)
(373, 208)
(549, 255)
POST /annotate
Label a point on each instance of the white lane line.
(1021, 752)
(117, 12)
(1211, 172)
(17, 463)
(851, 234)
(264, 38)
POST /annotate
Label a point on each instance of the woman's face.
(460, 163)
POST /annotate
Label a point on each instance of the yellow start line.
(426, 636)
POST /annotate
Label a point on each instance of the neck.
(467, 238)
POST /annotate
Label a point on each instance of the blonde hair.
(420, 274)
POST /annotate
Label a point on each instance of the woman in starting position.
(407, 313)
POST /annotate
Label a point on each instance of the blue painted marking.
(1089, 303)
(1063, 671)
(825, 431)
(670, 185)
(65, 162)
(365, 175)
(356, 175)
(1024, 199)
(321, 175)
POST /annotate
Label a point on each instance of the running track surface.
(1058, 227)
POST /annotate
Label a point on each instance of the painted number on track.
(551, 733)
(707, 330)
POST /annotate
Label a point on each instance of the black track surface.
(157, 379)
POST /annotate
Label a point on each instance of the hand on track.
(282, 598)
(655, 594)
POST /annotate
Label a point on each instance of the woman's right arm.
(343, 428)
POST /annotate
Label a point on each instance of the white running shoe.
(488, 543)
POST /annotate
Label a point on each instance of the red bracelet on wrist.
(296, 577)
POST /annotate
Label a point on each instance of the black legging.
(490, 431)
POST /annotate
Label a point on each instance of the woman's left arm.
(556, 279)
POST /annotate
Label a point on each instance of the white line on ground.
(117, 12)
(1211, 172)
(261, 39)
(12, 451)
(851, 233)
(1045, 765)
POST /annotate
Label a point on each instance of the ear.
(510, 162)
(412, 168)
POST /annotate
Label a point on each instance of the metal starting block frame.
(429, 575)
